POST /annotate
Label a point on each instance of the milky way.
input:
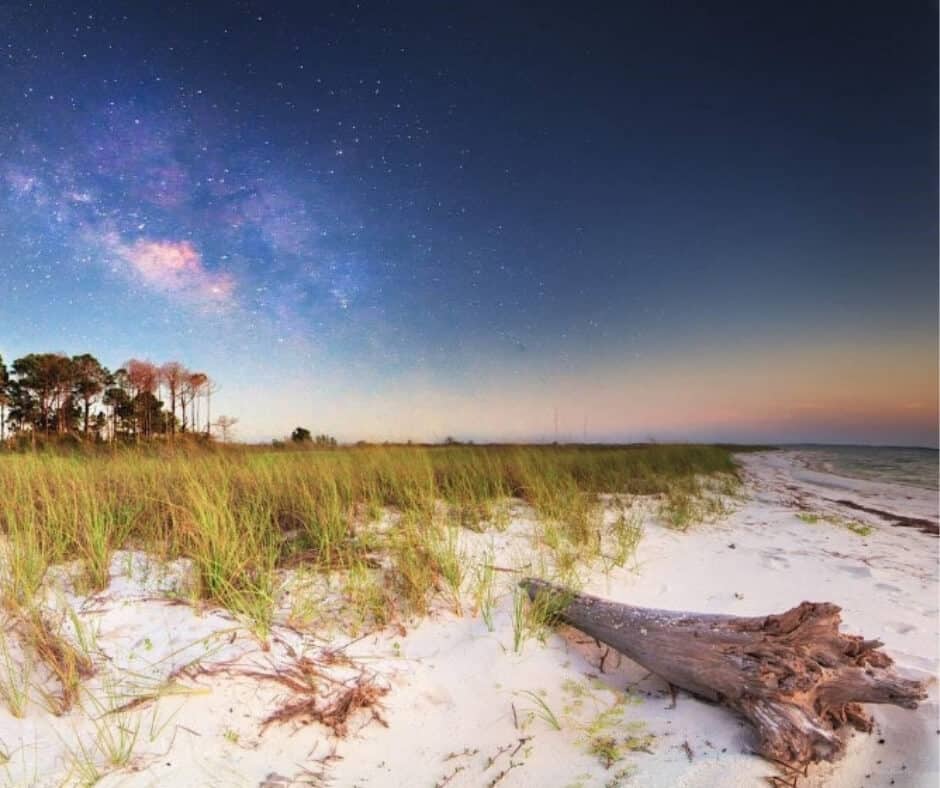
(157, 193)
(408, 221)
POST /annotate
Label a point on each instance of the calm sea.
(917, 467)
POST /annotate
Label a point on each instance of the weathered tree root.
(794, 676)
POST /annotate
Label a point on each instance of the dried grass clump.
(316, 695)
(67, 665)
(335, 713)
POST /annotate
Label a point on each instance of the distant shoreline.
(854, 446)
(909, 467)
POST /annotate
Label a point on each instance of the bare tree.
(225, 425)
(193, 384)
(210, 388)
(174, 375)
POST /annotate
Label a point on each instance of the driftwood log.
(794, 676)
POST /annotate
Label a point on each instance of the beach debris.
(793, 675)
(445, 780)
(465, 752)
(275, 780)
(496, 780)
(336, 712)
(900, 520)
(315, 694)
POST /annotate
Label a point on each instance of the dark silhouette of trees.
(23, 409)
(89, 382)
(301, 435)
(46, 395)
(118, 400)
(41, 391)
(144, 379)
(101, 424)
(322, 441)
(4, 399)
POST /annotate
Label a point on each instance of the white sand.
(454, 685)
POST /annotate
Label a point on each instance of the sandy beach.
(459, 395)
(451, 702)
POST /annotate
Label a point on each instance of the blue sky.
(419, 221)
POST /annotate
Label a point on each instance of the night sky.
(389, 220)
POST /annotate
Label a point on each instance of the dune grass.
(242, 514)
(857, 528)
(387, 531)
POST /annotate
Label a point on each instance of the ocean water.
(916, 467)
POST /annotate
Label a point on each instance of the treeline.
(52, 395)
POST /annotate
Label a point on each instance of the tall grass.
(241, 514)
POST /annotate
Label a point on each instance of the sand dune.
(456, 705)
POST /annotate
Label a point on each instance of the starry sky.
(388, 220)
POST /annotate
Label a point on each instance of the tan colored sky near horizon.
(884, 392)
